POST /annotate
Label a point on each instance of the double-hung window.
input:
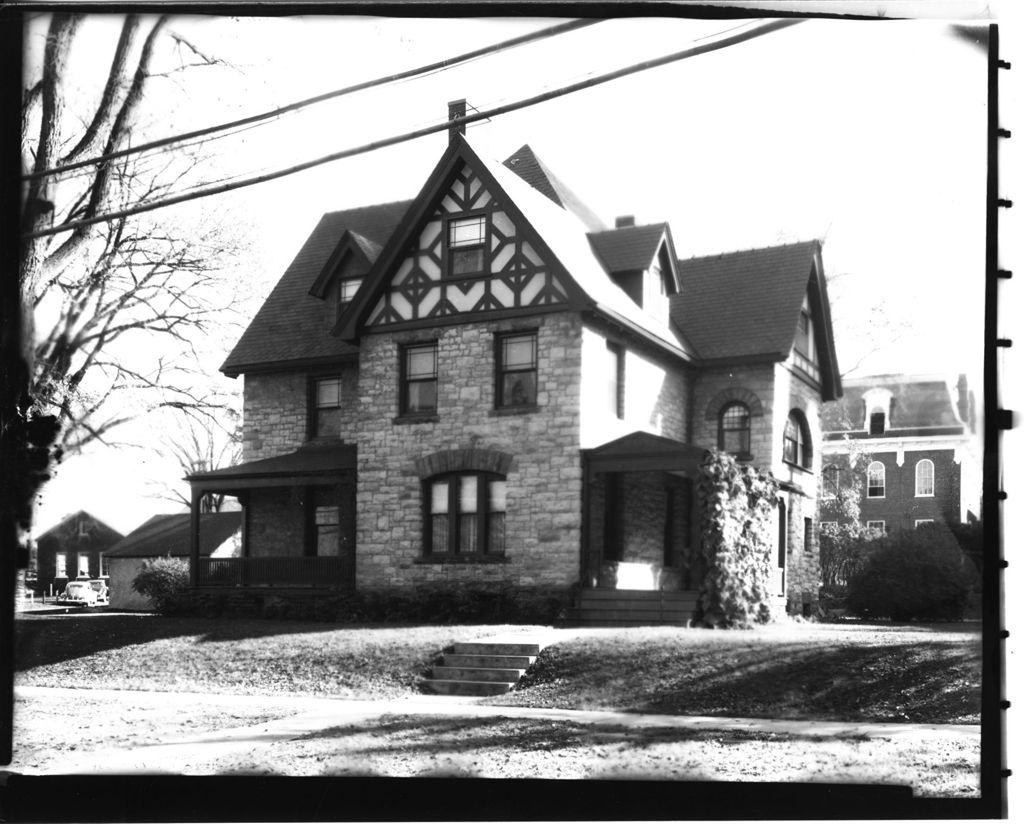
(517, 370)
(465, 515)
(924, 479)
(60, 565)
(734, 429)
(419, 379)
(876, 479)
(467, 244)
(796, 447)
(830, 482)
(326, 421)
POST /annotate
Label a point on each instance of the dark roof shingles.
(525, 163)
(629, 248)
(170, 535)
(290, 326)
(746, 303)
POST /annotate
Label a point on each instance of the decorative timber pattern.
(510, 274)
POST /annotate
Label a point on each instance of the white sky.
(870, 135)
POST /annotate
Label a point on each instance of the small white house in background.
(162, 536)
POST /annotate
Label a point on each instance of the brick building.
(907, 445)
(68, 550)
(487, 385)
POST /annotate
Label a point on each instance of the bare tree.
(114, 309)
(201, 446)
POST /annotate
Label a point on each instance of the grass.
(916, 673)
(880, 673)
(249, 656)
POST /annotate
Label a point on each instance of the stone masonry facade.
(542, 521)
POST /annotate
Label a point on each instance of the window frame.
(722, 429)
(921, 464)
(483, 244)
(404, 352)
(868, 472)
(484, 514)
(60, 565)
(882, 528)
(919, 521)
(829, 482)
(500, 371)
(313, 423)
(83, 556)
(803, 452)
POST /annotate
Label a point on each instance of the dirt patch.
(405, 746)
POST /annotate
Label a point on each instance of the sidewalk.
(188, 753)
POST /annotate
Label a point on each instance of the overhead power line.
(448, 62)
(645, 65)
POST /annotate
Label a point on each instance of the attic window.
(806, 355)
(347, 289)
(467, 237)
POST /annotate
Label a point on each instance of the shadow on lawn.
(50, 638)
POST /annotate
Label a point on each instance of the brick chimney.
(456, 108)
(623, 221)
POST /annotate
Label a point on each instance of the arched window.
(465, 514)
(796, 441)
(924, 478)
(876, 479)
(734, 429)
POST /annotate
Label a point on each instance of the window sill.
(514, 410)
(805, 469)
(461, 559)
(432, 417)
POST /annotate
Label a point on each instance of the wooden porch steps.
(481, 668)
(633, 607)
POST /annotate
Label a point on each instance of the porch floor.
(599, 607)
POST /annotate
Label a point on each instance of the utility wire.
(291, 107)
(645, 65)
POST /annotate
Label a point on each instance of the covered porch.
(298, 521)
(640, 558)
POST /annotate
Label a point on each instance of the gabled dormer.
(640, 260)
(343, 273)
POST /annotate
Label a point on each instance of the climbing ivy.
(737, 506)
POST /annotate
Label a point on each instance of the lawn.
(922, 673)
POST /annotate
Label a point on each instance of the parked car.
(99, 586)
(78, 594)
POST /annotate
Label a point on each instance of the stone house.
(69, 550)
(907, 446)
(487, 385)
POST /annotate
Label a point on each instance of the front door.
(333, 529)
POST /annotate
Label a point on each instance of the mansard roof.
(289, 327)
(525, 163)
(929, 403)
(165, 535)
(746, 305)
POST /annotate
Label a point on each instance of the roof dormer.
(343, 274)
(877, 407)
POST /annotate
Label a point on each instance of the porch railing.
(312, 572)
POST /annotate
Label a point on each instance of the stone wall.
(275, 411)
(276, 522)
(542, 522)
(755, 386)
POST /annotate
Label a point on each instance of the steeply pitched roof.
(744, 303)
(169, 535)
(290, 324)
(101, 534)
(532, 169)
(628, 248)
(918, 402)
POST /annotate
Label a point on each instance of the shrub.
(165, 582)
(737, 506)
(919, 574)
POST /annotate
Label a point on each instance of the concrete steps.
(481, 668)
(633, 607)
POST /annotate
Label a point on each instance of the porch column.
(193, 555)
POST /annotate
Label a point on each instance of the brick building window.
(830, 482)
(326, 418)
(419, 379)
(796, 441)
(877, 423)
(83, 564)
(60, 565)
(465, 514)
(516, 370)
(876, 525)
(734, 429)
(467, 242)
(920, 521)
(876, 479)
(924, 479)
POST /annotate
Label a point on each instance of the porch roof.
(642, 452)
(311, 464)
